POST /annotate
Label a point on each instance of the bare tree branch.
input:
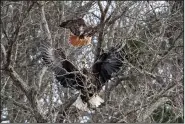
(64, 107)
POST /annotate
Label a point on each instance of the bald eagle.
(81, 34)
(87, 82)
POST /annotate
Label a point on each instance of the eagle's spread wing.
(65, 72)
(69, 76)
(107, 64)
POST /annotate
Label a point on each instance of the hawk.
(81, 34)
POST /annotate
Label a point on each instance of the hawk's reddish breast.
(77, 42)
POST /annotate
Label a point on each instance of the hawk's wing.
(76, 26)
(90, 31)
(79, 28)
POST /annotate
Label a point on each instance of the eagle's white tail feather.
(96, 101)
(80, 105)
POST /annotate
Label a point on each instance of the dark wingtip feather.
(109, 63)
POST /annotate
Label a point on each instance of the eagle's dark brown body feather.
(88, 82)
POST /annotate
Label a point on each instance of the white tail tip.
(80, 105)
(96, 101)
